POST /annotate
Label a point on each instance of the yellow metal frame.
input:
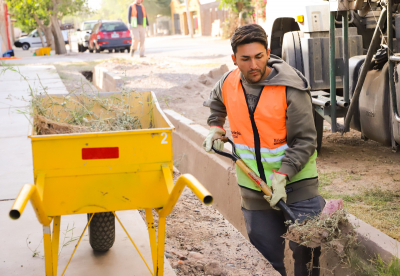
(51, 238)
(140, 178)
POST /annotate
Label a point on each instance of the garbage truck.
(349, 50)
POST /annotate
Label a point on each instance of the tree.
(118, 9)
(242, 8)
(46, 14)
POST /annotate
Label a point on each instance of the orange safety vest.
(260, 136)
(134, 15)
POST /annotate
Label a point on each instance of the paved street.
(179, 47)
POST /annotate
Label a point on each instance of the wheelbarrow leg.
(55, 242)
(161, 245)
(48, 256)
(152, 237)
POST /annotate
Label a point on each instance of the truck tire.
(291, 50)
(25, 46)
(102, 231)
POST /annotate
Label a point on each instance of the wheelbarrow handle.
(253, 176)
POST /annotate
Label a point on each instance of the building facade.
(206, 17)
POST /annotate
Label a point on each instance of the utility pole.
(189, 18)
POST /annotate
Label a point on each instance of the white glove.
(214, 138)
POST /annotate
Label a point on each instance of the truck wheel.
(25, 46)
(102, 231)
(319, 126)
(291, 50)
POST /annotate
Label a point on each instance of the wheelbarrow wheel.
(102, 231)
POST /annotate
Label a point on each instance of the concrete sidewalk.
(21, 241)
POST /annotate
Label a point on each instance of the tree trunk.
(240, 18)
(58, 37)
(47, 32)
(39, 30)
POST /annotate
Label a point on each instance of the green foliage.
(236, 6)
(24, 10)
(118, 9)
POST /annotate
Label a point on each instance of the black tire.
(292, 51)
(319, 126)
(102, 231)
(79, 48)
(25, 46)
(122, 50)
(128, 49)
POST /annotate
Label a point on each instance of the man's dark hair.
(248, 34)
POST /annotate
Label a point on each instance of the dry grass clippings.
(330, 232)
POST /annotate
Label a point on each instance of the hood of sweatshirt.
(282, 74)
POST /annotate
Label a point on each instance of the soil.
(199, 241)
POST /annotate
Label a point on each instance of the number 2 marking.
(164, 141)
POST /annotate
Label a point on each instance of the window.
(88, 26)
(113, 27)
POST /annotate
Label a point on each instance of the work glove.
(278, 189)
(214, 138)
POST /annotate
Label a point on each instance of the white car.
(33, 40)
(83, 34)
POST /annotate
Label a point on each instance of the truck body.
(33, 40)
(330, 42)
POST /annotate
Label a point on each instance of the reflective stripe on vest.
(134, 16)
(260, 135)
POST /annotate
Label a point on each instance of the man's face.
(252, 61)
(139, 1)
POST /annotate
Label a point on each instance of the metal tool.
(253, 176)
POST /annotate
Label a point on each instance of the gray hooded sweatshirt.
(301, 133)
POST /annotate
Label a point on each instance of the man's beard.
(250, 77)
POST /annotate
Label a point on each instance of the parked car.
(83, 34)
(33, 40)
(110, 35)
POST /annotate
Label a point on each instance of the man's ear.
(268, 53)
(233, 59)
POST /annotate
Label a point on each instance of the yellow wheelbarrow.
(100, 173)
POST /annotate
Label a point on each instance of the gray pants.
(266, 227)
(138, 34)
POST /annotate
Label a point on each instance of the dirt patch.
(199, 241)
(181, 86)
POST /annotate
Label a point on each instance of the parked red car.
(110, 35)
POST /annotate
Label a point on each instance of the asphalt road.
(201, 48)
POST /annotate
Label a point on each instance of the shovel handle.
(255, 178)
(265, 188)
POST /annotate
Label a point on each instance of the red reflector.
(100, 153)
(127, 41)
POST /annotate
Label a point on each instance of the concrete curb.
(218, 175)
(105, 80)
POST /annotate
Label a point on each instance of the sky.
(94, 4)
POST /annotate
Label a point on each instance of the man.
(269, 108)
(138, 21)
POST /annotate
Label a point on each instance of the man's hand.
(278, 189)
(214, 138)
